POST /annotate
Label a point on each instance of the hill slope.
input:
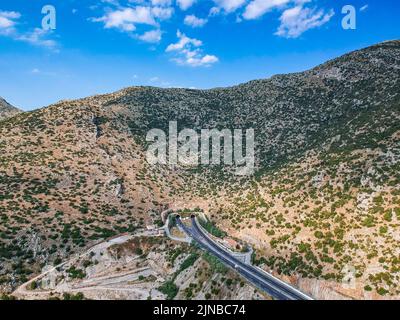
(7, 110)
(324, 199)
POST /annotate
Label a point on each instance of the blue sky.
(103, 46)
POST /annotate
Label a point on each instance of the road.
(273, 286)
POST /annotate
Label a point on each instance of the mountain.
(7, 110)
(322, 207)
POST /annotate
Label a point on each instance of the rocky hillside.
(324, 199)
(7, 110)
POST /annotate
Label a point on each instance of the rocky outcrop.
(7, 110)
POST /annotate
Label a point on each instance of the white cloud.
(257, 8)
(153, 36)
(125, 19)
(185, 4)
(10, 14)
(188, 52)
(214, 11)
(154, 79)
(112, 2)
(363, 8)
(205, 60)
(297, 20)
(183, 42)
(162, 13)
(37, 37)
(194, 21)
(230, 5)
(37, 71)
(8, 20)
(293, 21)
(162, 3)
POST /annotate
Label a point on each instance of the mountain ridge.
(391, 43)
(7, 110)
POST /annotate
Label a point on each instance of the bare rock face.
(7, 110)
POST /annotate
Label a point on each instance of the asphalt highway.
(274, 287)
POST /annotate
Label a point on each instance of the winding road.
(273, 286)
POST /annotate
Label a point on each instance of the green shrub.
(170, 289)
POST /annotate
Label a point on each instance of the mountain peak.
(7, 110)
